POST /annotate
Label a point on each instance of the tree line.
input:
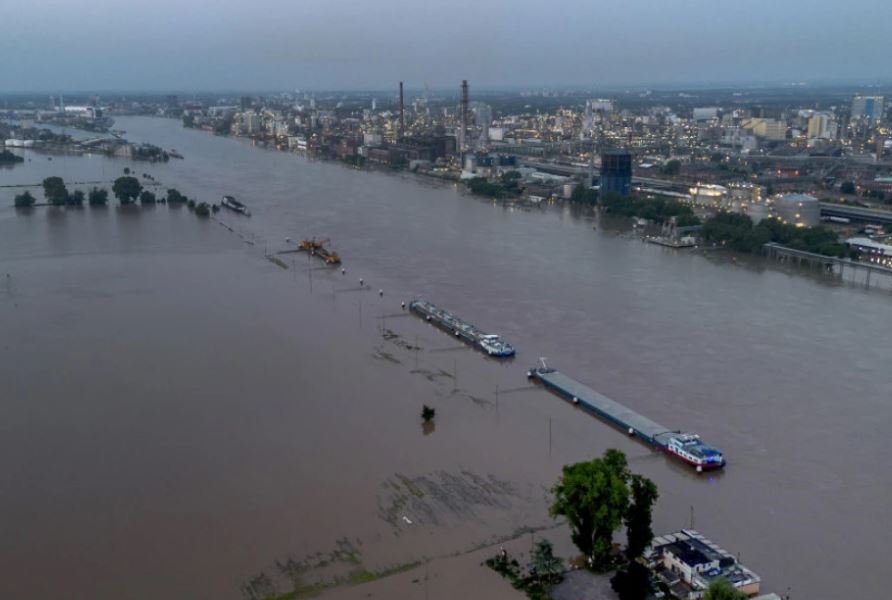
(658, 210)
(127, 189)
(7, 157)
(737, 231)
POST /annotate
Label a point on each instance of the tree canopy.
(583, 194)
(720, 589)
(632, 582)
(638, 519)
(482, 187)
(8, 157)
(593, 496)
(673, 167)
(547, 566)
(126, 189)
(653, 209)
(175, 197)
(24, 200)
(76, 198)
(55, 191)
(737, 232)
(97, 197)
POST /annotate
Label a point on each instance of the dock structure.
(585, 397)
(831, 266)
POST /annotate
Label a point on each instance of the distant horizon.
(852, 85)
(50, 46)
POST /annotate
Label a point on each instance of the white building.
(706, 113)
(602, 104)
(687, 563)
(769, 129)
(89, 112)
(821, 126)
(709, 195)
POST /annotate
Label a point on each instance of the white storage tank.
(800, 210)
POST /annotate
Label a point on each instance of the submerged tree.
(24, 200)
(126, 189)
(75, 198)
(97, 197)
(55, 191)
(175, 197)
(428, 414)
(593, 496)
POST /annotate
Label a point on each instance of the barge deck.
(684, 446)
(492, 344)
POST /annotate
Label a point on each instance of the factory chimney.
(463, 132)
(402, 120)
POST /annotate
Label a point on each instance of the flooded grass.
(277, 261)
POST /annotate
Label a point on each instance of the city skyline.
(54, 46)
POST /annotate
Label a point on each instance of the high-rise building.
(253, 122)
(603, 105)
(868, 108)
(821, 126)
(616, 173)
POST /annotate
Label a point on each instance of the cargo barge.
(490, 343)
(234, 205)
(687, 447)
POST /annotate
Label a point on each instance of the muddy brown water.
(180, 413)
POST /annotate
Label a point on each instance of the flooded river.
(181, 414)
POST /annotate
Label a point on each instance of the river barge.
(490, 343)
(234, 205)
(686, 447)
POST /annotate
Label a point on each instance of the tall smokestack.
(402, 120)
(464, 116)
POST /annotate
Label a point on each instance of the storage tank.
(800, 210)
(758, 211)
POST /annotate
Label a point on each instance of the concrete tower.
(463, 118)
(402, 120)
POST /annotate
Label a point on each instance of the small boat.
(234, 205)
(173, 152)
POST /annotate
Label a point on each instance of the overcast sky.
(59, 45)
